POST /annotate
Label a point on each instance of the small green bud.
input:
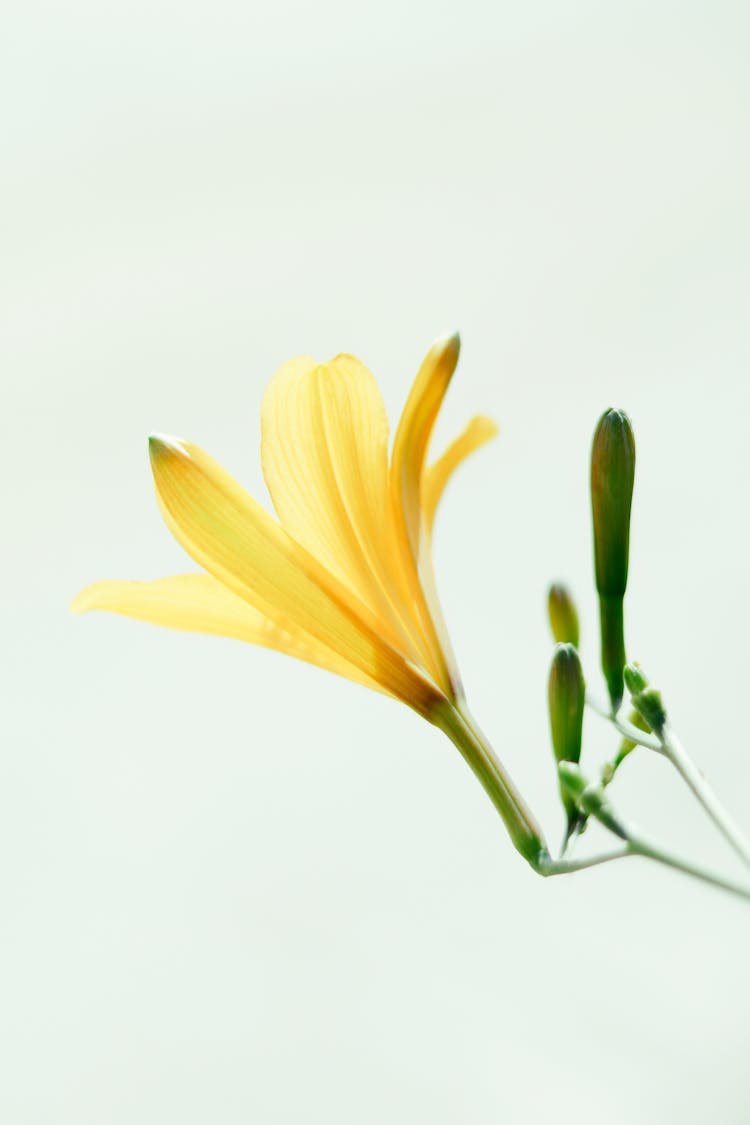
(563, 616)
(646, 700)
(612, 476)
(573, 780)
(589, 799)
(636, 680)
(567, 695)
(652, 709)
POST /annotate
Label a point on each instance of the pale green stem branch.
(673, 749)
(635, 734)
(639, 846)
(669, 746)
(565, 866)
(523, 828)
(649, 850)
(636, 844)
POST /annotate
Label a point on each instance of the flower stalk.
(524, 830)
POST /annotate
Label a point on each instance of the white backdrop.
(233, 888)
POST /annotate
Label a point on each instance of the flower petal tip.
(486, 428)
(161, 444)
(82, 602)
(449, 342)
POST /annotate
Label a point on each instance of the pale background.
(234, 889)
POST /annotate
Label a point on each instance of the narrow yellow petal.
(478, 431)
(407, 471)
(198, 603)
(415, 430)
(234, 539)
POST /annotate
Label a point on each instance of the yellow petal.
(325, 459)
(407, 471)
(234, 539)
(478, 431)
(415, 430)
(324, 449)
(198, 603)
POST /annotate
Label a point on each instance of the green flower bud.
(646, 700)
(589, 799)
(652, 709)
(566, 693)
(563, 616)
(573, 780)
(636, 679)
(612, 475)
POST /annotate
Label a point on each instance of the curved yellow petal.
(239, 543)
(198, 603)
(478, 431)
(415, 430)
(407, 470)
(324, 450)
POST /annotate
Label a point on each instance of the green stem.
(639, 846)
(564, 866)
(649, 850)
(688, 771)
(522, 826)
(593, 800)
(669, 746)
(613, 644)
(523, 829)
(635, 734)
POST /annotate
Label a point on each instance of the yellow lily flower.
(344, 578)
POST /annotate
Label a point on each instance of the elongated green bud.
(612, 475)
(566, 693)
(646, 700)
(563, 616)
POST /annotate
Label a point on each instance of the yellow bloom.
(344, 578)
